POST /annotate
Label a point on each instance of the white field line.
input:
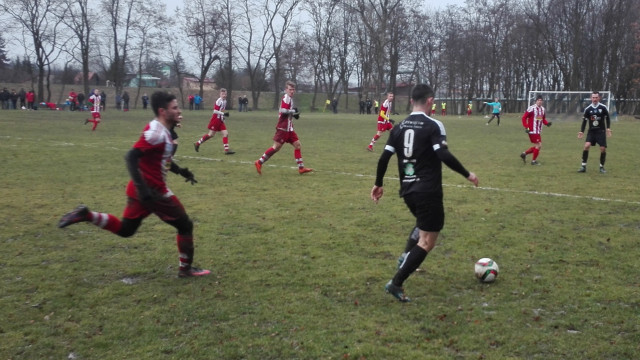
(528, 192)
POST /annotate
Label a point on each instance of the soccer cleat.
(396, 291)
(370, 148)
(523, 156)
(582, 169)
(534, 162)
(258, 167)
(303, 170)
(229, 152)
(193, 271)
(86, 121)
(602, 170)
(79, 214)
(196, 146)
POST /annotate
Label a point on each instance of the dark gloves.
(226, 114)
(188, 175)
(549, 123)
(392, 121)
(296, 113)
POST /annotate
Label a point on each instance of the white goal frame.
(605, 98)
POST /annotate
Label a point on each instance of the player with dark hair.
(284, 131)
(532, 120)
(420, 143)
(216, 124)
(384, 121)
(147, 191)
(597, 116)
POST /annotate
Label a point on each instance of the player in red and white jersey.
(384, 121)
(147, 191)
(285, 132)
(95, 99)
(532, 120)
(216, 124)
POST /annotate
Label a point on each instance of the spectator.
(125, 101)
(145, 101)
(81, 101)
(22, 95)
(73, 98)
(197, 100)
(14, 99)
(31, 98)
(191, 99)
(4, 98)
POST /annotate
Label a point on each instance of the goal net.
(569, 104)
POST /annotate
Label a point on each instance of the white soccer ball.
(486, 270)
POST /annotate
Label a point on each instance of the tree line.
(485, 49)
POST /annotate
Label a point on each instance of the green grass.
(300, 262)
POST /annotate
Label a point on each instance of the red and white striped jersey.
(534, 118)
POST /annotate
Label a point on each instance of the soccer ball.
(486, 270)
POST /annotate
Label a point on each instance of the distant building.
(145, 80)
(93, 78)
(194, 83)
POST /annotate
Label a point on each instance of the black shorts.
(597, 137)
(428, 209)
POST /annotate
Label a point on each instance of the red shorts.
(167, 209)
(216, 125)
(95, 115)
(535, 138)
(385, 126)
(282, 137)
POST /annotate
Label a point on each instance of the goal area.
(568, 104)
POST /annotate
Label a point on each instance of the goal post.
(569, 103)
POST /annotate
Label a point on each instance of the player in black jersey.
(420, 142)
(597, 116)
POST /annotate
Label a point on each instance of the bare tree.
(39, 24)
(147, 36)
(121, 19)
(76, 16)
(279, 15)
(253, 49)
(204, 30)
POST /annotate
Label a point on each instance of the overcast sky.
(171, 4)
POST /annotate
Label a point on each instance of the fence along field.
(300, 261)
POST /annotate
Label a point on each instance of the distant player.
(597, 116)
(96, 100)
(284, 131)
(147, 191)
(444, 108)
(433, 110)
(469, 107)
(216, 124)
(497, 108)
(532, 120)
(384, 122)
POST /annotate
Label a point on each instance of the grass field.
(299, 262)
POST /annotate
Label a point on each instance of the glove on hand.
(296, 113)
(188, 175)
(549, 124)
